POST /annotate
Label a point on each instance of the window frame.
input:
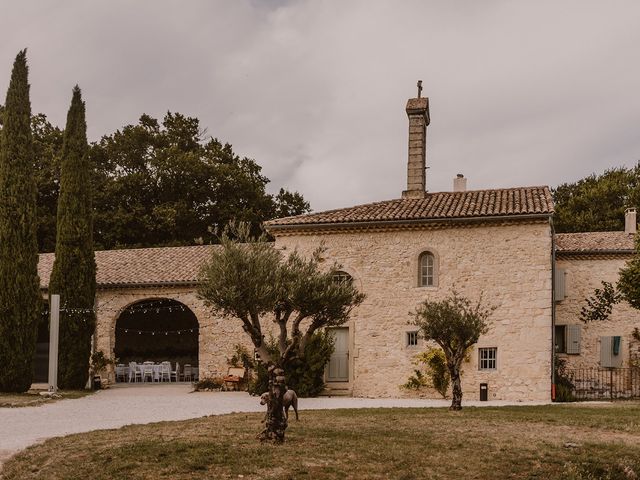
(564, 339)
(434, 270)
(409, 335)
(487, 359)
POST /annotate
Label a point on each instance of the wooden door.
(338, 370)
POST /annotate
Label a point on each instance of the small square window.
(412, 339)
(488, 358)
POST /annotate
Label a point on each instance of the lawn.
(556, 441)
(34, 399)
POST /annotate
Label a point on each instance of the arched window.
(426, 270)
(342, 277)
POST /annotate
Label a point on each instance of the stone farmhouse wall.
(217, 336)
(583, 274)
(510, 265)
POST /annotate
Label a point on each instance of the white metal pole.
(54, 327)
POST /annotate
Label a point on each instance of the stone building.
(496, 244)
(584, 261)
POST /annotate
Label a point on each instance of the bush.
(214, 383)
(436, 374)
(564, 385)
(305, 375)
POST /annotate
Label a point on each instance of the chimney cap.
(460, 175)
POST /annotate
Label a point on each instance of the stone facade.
(583, 274)
(217, 335)
(510, 264)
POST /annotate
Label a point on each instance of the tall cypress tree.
(74, 270)
(20, 301)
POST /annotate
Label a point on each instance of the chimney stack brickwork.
(418, 113)
(630, 221)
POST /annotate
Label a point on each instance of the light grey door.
(339, 364)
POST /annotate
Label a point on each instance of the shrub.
(564, 385)
(436, 374)
(214, 383)
(305, 375)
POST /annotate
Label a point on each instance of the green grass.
(34, 399)
(492, 443)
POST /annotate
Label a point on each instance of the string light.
(159, 332)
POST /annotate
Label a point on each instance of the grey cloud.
(521, 93)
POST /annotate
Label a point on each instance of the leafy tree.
(47, 143)
(305, 374)
(597, 202)
(455, 325)
(20, 302)
(74, 270)
(255, 284)
(164, 184)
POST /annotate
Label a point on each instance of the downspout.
(553, 310)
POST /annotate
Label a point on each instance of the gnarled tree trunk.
(456, 386)
(276, 422)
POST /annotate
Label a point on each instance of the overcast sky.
(521, 92)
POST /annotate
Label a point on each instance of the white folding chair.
(175, 373)
(134, 372)
(186, 373)
(147, 371)
(121, 372)
(165, 371)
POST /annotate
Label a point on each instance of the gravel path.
(119, 406)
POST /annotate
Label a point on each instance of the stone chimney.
(418, 113)
(630, 221)
(460, 183)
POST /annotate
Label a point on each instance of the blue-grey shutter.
(608, 359)
(560, 286)
(574, 333)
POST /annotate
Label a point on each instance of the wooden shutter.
(607, 357)
(560, 286)
(574, 333)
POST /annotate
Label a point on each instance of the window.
(488, 358)
(342, 277)
(412, 339)
(426, 267)
(561, 339)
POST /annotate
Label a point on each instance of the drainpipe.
(553, 310)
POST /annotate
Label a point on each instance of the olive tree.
(250, 280)
(455, 324)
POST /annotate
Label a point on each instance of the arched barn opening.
(156, 332)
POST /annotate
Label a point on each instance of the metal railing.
(605, 383)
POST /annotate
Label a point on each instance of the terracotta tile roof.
(435, 206)
(140, 266)
(594, 242)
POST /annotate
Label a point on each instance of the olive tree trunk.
(276, 422)
(456, 386)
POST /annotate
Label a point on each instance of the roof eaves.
(425, 221)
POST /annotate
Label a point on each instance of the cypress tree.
(74, 270)
(20, 301)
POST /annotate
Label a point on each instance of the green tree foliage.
(74, 270)
(305, 374)
(47, 144)
(629, 281)
(20, 301)
(164, 184)
(597, 203)
(250, 280)
(599, 306)
(436, 374)
(455, 324)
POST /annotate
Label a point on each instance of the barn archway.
(157, 330)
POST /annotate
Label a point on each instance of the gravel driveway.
(119, 406)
